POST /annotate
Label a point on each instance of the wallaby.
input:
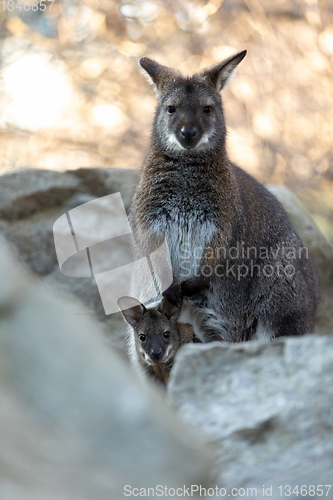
(157, 336)
(229, 238)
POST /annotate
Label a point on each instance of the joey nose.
(156, 355)
(188, 133)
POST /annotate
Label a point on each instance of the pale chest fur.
(187, 235)
(184, 207)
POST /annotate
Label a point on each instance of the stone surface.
(25, 191)
(31, 200)
(74, 424)
(321, 250)
(123, 181)
(267, 407)
(32, 237)
(101, 182)
(85, 291)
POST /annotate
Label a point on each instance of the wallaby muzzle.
(188, 137)
(156, 349)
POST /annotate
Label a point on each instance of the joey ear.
(159, 74)
(170, 310)
(131, 309)
(219, 74)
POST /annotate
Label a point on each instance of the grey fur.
(190, 193)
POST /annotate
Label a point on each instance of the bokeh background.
(72, 94)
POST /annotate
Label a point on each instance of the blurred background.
(72, 94)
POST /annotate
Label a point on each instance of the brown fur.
(186, 336)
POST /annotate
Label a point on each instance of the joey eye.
(208, 110)
(166, 335)
(142, 337)
(171, 110)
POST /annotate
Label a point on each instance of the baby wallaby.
(157, 335)
(229, 239)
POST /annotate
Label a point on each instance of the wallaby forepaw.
(173, 294)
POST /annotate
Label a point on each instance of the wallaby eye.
(142, 337)
(166, 335)
(208, 110)
(171, 110)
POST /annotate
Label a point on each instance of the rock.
(101, 182)
(32, 238)
(27, 204)
(13, 286)
(123, 181)
(320, 251)
(85, 291)
(25, 190)
(267, 407)
(74, 422)
(93, 179)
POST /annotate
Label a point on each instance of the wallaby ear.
(171, 311)
(131, 309)
(219, 74)
(158, 74)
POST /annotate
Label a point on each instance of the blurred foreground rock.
(74, 425)
(33, 199)
(267, 408)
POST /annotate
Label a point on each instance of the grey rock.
(32, 238)
(29, 227)
(93, 179)
(25, 191)
(78, 199)
(74, 424)
(123, 181)
(84, 291)
(267, 407)
(13, 286)
(102, 182)
(320, 251)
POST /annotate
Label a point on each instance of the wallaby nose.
(156, 354)
(188, 132)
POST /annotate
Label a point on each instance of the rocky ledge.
(254, 417)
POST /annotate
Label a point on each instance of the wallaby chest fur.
(220, 224)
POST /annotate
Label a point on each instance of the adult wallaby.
(157, 336)
(228, 237)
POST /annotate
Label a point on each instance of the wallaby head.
(189, 116)
(156, 336)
